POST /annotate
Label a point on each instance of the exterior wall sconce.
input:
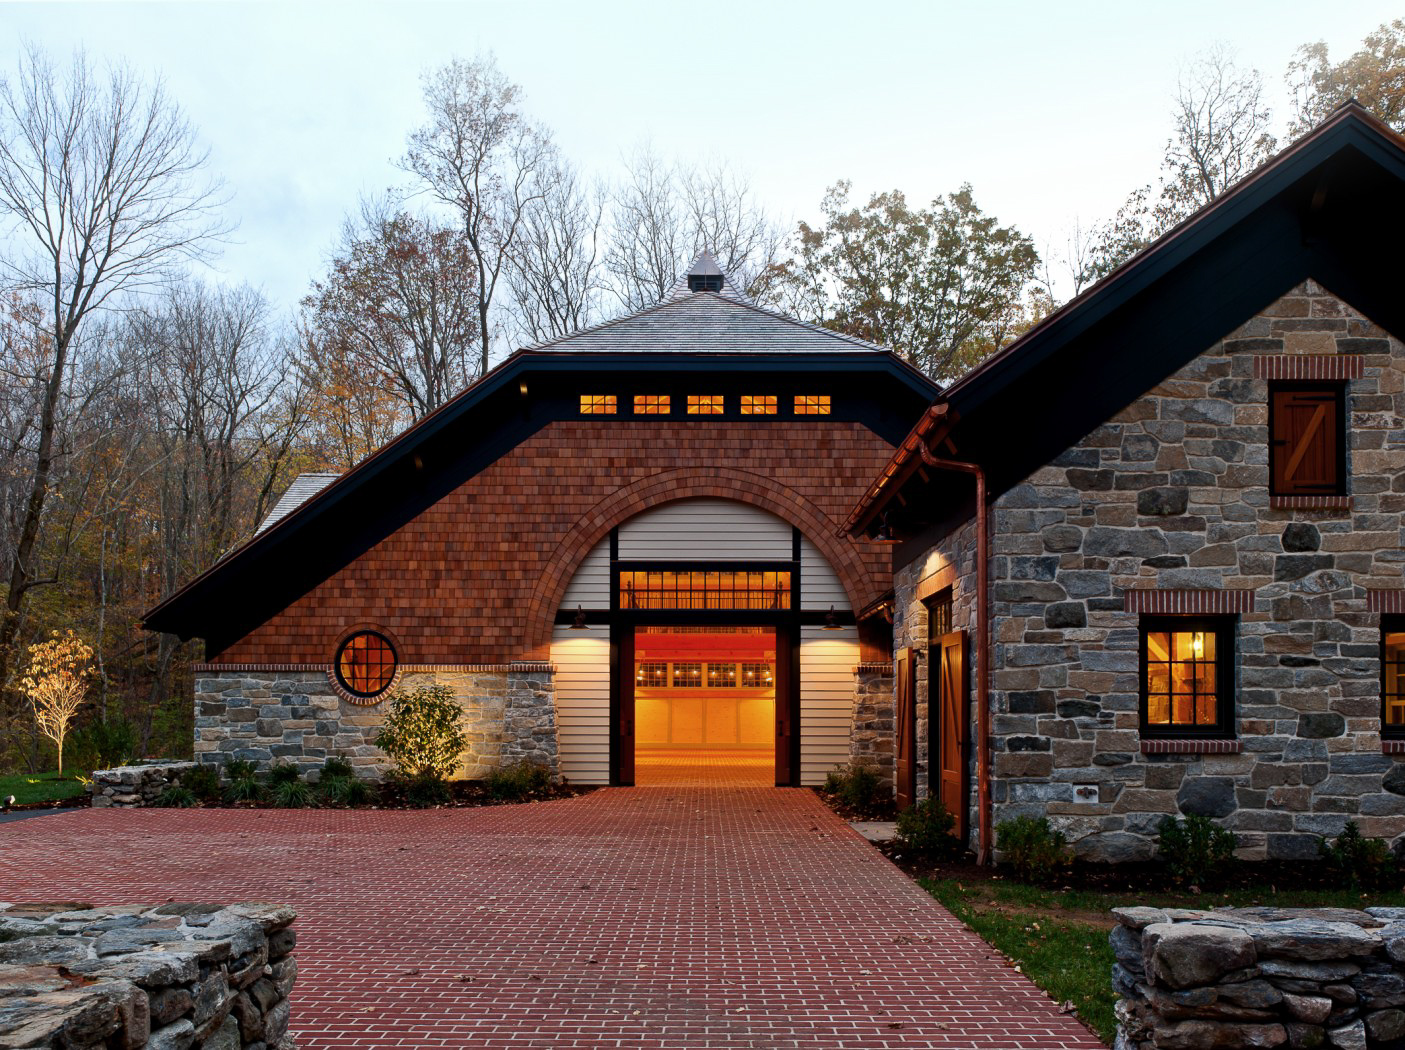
(884, 533)
(579, 623)
(831, 623)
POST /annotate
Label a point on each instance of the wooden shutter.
(951, 721)
(1305, 455)
(906, 747)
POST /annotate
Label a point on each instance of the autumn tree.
(57, 684)
(940, 285)
(480, 157)
(103, 191)
(1374, 75)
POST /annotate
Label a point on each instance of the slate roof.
(303, 488)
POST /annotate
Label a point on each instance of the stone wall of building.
(871, 738)
(129, 787)
(1259, 977)
(182, 976)
(299, 716)
(1172, 493)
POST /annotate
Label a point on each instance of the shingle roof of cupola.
(705, 322)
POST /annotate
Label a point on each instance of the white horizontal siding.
(582, 660)
(705, 530)
(590, 586)
(819, 585)
(827, 660)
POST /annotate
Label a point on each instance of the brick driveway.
(640, 917)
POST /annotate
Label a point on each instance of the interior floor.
(704, 767)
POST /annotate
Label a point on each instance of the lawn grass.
(1059, 937)
(41, 787)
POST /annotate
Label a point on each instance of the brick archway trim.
(669, 487)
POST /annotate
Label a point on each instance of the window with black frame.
(1187, 676)
(1393, 676)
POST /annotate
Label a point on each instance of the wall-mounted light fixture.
(579, 623)
(831, 622)
(884, 533)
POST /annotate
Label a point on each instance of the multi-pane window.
(757, 676)
(651, 404)
(651, 675)
(812, 404)
(1187, 672)
(366, 664)
(721, 676)
(1393, 675)
(704, 404)
(703, 589)
(599, 404)
(1307, 439)
(759, 404)
(704, 282)
(687, 676)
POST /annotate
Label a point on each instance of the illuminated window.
(687, 676)
(757, 676)
(1187, 672)
(758, 404)
(721, 676)
(704, 404)
(651, 404)
(1393, 675)
(651, 675)
(366, 664)
(704, 590)
(598, 405)
(812, 404)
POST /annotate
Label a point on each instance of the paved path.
(643, 917)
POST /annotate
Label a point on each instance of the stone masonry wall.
(1172, 493)
(299, 717)
(1259, 977)
(129, 787)
(871, 738)
(173, 977)
(954, 559)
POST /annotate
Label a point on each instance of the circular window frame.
(344, 690)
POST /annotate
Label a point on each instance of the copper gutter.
(983, 811)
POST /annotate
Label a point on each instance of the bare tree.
(103, 185)
(557, 273)
(663, 215)
(480, 156)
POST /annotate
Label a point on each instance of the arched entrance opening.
(704, 642)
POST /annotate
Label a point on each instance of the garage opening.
(705, 706)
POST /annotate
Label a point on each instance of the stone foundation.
(73, 977)
(299, 716)
(1259, 977)
(132, 786)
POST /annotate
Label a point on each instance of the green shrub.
(292, 794)
(103, 745)
(423, 732)
(283, 773)
(1033, 850)
(856, 786)
(240, 769)
(1362, 862)
(1195, 849)
(517, 781)
(203, 782)
(337, 766)
(927, 827)
(426, 790)
(344, 791)
(244, 789)
(176, 797)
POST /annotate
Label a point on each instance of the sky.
(1053, 112)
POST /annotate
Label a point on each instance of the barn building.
(622, 550)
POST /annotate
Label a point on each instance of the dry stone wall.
(299, 717)
(129, 787)
(178, 976)
(1259, 977)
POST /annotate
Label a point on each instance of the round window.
(366, 664)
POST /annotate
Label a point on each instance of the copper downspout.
(983, 812)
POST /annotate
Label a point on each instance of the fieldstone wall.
(1259, 977)
(1172, 493)
(132, 786)
(871, 741)
(300, 717)
(74, 977)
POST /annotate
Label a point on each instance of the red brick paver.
(646, 917)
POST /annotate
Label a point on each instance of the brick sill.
(1170, 746)
(1322, 503)
(1393, 747)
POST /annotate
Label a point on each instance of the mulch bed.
(75, 802)
(873, 809)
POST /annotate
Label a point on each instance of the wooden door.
(950, 724)
(622, 706)
(906, 722)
